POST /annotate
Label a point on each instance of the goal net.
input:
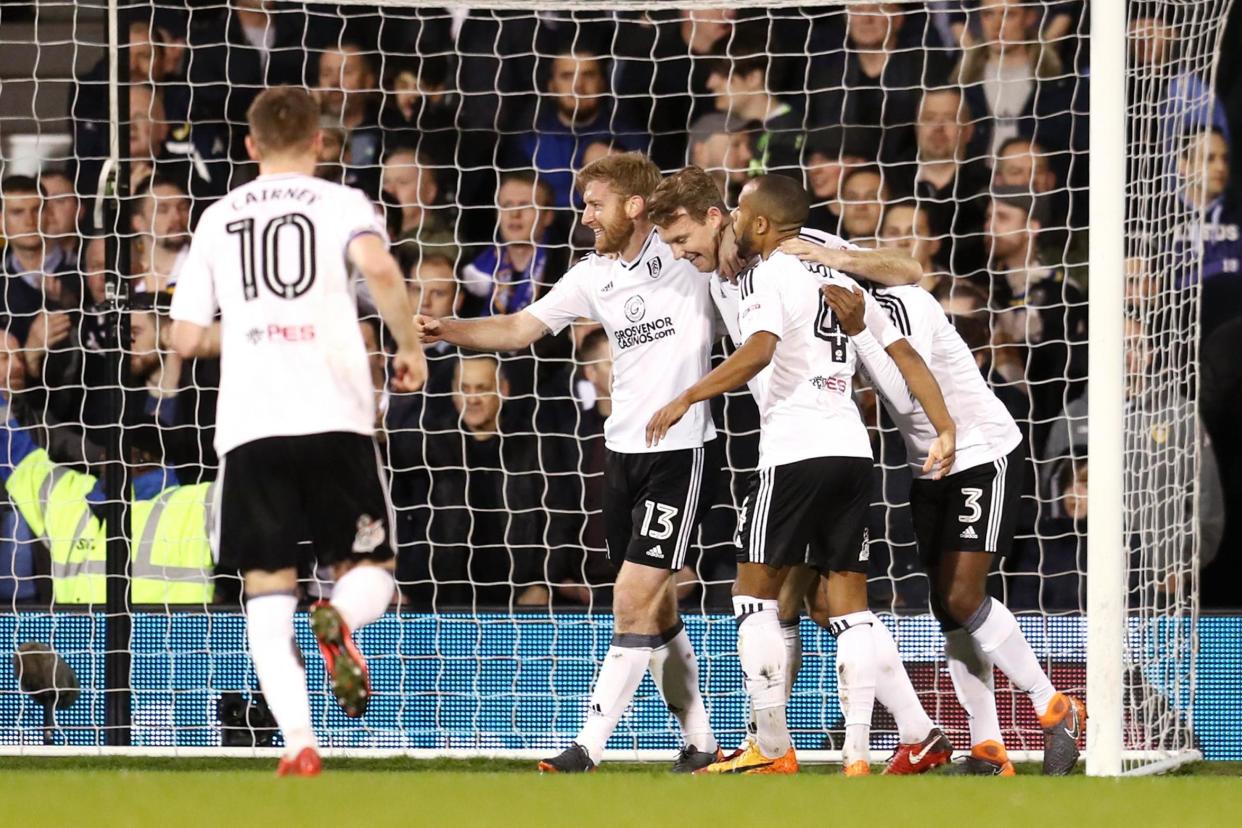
(960, 132)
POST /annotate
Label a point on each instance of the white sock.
(363, 594)
(998, 634)
(971, 671)
(793, 655)
(894, 690)
(856, 679)
(619, 676)
(676, 673)
(761, 650)
(278, 664)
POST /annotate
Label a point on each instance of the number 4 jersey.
(805, 394)
(271, 258)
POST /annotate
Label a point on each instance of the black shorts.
(975, 510)
(279, 492)
(810, 512)
(653, 502)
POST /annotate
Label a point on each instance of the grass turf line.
(229, 793)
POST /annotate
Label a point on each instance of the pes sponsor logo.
(837, 384)
(281, 333)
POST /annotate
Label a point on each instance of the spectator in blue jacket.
(1214, 220)
(574, 111)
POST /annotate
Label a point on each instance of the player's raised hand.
(848, 305)
(664, 419)
(409, 370)
(428, 329)
(941, 454)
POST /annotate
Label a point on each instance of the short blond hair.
(628, 173)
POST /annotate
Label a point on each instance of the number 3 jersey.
(805, 394)
(271, 258)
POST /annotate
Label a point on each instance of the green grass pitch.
(230, 793)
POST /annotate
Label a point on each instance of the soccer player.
(962, 522)
(658, 317)
(297, 409)
(809, 498)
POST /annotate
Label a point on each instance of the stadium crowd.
(960, 136)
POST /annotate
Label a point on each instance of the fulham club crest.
(653, 267)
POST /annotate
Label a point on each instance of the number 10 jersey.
(271, 257)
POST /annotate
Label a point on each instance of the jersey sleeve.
(725, 297)
(361, 218)
(879, 323)
(566, 301)
(194, 298)
(761, 307)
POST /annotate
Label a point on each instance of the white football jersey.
(658, 316)
(985, 429)
(271, 258)
(805, 394)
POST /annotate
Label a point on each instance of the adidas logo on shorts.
(655, 552)
(969, 533)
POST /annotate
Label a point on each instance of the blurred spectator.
(740, 83)
(334, 157)
(906, 227)
(347, 90)
(157, 145)
(37, 273)
(154, 369)
(1174, 102)
(162, 224)
(574, 111)
(148, 66)
(18, 546)
(521, 266)
(1021, 162)
(1017, 84)
(1160, 462)
(871, 84)
(435, 293)
(830, 157)
(410, 187)
(419, 110)
(661, 74)
(254, 46)
(578, 573)
(500, 500)
(1037, 306)
(64, 211)
(862, 197)
(948, 185)
(1211, 233)
(724, 155)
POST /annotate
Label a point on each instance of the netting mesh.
(956, 131)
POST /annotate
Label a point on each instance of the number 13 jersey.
(805, 394)
(271, 257)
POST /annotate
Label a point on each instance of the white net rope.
(956, 131)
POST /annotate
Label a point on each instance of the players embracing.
(978, 489)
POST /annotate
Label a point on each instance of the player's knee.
(960, 602)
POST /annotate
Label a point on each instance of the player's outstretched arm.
(370, 255)
(508, 332)
(739, 369)
(888, 266)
